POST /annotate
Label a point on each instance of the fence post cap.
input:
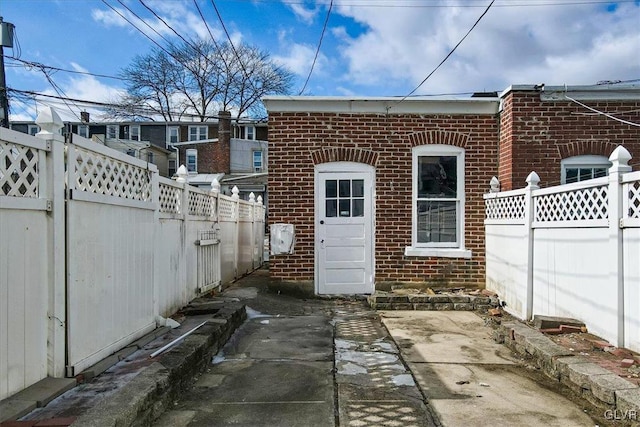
(182, 174)
(495, 185)
(533, 180)
(620, 160)
(235, 192)
(252, 197)
(215, 186)
(259, 200)
(49, 121)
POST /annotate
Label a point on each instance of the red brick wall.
(298, 140)
(213, 157)
(536, 135)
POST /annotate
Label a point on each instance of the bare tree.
(199, 78)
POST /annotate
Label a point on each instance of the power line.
(98, 104)
(423, 4)
(315, 58)
(602, 113)
(50, 67)
(145, 22)
(244, 70)
(136, 27)
(449, 54)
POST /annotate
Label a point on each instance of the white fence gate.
(81, 282)
(571, 250)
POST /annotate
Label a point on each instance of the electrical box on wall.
(282, 239)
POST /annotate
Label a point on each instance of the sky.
(369, 47)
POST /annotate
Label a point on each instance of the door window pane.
(357, 187)
(345, 208)
(331, 188)
(345, 188)
(331, 208)
(358, 207)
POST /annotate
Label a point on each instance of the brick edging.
(456, 302)
(599, 386)
(155, 388)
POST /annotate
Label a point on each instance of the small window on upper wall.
(135, 133)
(192, 161)
(250, 132)
(257, 161)
(582, 168)
(33, 129)
(83, 131)
(197, 133)
(174, 134)
(113, 131)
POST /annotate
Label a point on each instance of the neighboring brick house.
(383, 192)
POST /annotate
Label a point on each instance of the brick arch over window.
(343, 154)
(438, 137)
(586, 147)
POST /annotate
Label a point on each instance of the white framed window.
(33, 129)
(581, 168)
(172, 167)
(173, 134)
(83, 131)
(197, 133)
(113, 131)
(134, 132)
(437, 202)
(257, 161)
(250, 132)
(192, 160)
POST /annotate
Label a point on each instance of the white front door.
(344, 229)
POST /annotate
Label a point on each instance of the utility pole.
(6, 40)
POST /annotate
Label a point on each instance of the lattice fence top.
(18, 170)
(170, 199)
(201, 204)
(245, 211)
(227, 208)
(512, 207)
(258, 213)
(633, 203)
(100, 174)
(577, 205)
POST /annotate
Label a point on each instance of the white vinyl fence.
(95, 246)
(571, 250)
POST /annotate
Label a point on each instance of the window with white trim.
(172, 167)
(192, 160)
(257, 161)
(83, 131)
(197, 133)
(437, 202)
(112, 131)
(581, 168)
(33, 129)
(250, 132)
(135, 133)
(174, 134)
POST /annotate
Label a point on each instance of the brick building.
(382, 192)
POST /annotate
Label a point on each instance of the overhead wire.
(34, 64)
(602, 112)
(315, 58)
(449, 54)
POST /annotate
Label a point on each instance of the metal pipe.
(174, 342)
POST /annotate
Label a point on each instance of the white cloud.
(573, 44)
(304, 14)
(299, 59)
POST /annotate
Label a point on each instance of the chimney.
(224, 141)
